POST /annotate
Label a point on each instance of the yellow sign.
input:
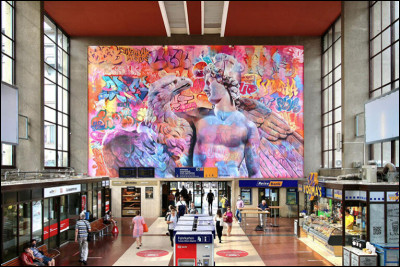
(312, 188)
(275, 184)
(211, 172)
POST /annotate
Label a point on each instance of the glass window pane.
(59, 118)
(330, 59)
(49, 29)
(337, 73)
(330, 161)
(396, 10)
(325, 62)
(49, 158)
(65, 139)
(65, 82)
(60, 137)
(7, 46)
(49, 52)
(385, 14)
(326, 138)
(338, 131)
(59, 159)
(386, 68)
(376, 19)
(376, 71)
(65, 120)
(325, 159)
(386, 89)
(7, 69)
(338, 158)
(396, 61)
(338, 53)
(330, 98)
(376, 45)
(330, 78)
(65, 159)
(6, 19)
(59, 60)
(377, 154)
(24, 224)
(330, 37)
(324, 82)
(49, 94)
(325, 101)
(330, 138)
(330, 117)
(59, 99)
(65, 101)
(338, 114)
(59, 38)
(338, 29)
(386, 41)
(49, 135)
(338, 95)
(7, 155)
(65, 64)
(325, 42)
(49, 114)
(387, 153)
(49, 73)
(375, 93)
(9, 230)
(65, 43)
(397, 153)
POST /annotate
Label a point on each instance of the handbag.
(145, 228)
(89, 234)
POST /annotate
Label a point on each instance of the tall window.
(56, 95)
(331, 96)
(384, 66)
(7, 67)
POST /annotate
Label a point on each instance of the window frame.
(58, 86)
(13, 59)
(331, 85)
(393, 80)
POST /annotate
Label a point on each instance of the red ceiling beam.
(194, 14)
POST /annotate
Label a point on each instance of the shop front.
(47, 211)
(337, 212)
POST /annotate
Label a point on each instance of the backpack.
(181, 209)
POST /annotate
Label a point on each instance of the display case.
(131, 201)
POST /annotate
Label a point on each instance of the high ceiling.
(163, 18)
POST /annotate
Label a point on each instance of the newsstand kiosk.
(194, 249)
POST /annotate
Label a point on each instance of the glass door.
(64, 219)
(54, 213)
(197, 196)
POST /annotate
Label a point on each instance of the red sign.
(83, 205)
(185, 251)
(107, 206)
(53, 229)
(46, 233)
(152, 253)
(64, 225)
(232, 253)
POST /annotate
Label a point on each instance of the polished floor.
(277, 246)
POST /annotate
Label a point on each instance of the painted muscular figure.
(225, 137)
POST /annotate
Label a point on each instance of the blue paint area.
(299, 84)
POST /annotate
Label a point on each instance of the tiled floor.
(277, 246)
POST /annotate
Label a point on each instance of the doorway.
(271, 195)
(197, 192)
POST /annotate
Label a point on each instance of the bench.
(16, 261)
(98, 227)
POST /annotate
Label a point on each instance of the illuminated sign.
(337, 194)
(268, 183)
(312, 188)
(61, 190)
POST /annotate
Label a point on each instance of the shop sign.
(392, 196)
(376, 196)
(312, 188)
(337, 194)
(352, 195)
(266, 183)
(107, 206)
(61, 190)
(53, 229)
(83, 203)
(232, 253)
(64, 225)
(329, 192)
(193, 239)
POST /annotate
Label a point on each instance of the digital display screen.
(128, 172)
(146, 172)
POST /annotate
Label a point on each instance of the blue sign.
(329, 192)
(193, 239)
(189, 172)
(268, 183)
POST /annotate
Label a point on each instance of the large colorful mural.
(238, 108)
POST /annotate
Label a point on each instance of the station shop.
(48, 211)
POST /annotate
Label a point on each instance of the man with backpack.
(82, 230)
(182, 207)
(172, 220)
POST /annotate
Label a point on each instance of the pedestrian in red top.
(27, 257)
(228, 218)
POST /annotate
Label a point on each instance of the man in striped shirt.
(81, 233)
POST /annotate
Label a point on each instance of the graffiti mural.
(238, 108)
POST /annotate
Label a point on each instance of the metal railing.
(15, 175)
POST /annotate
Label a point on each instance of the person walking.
(190, 198)
(171, 199)
(224, 203)
(182, 207)
(177, 195)
(170, 207)
(219, 224)
(82, 230)
(172, 220)
(228, 218)
(193, 209)
(138, 223)
(239, 205)
(210, 199)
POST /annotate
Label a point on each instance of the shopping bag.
(145, 228)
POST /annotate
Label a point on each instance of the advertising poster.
(244, 102)
(377, 223)
(246, 195)
(83, 203)
(99, 200)
(36, 216)
(393, 223)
